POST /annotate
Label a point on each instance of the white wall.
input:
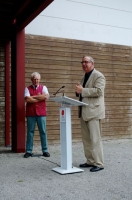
(106, 21)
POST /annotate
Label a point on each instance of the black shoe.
(46, 154)
(26, 155)
(95, 169)
(85, 165)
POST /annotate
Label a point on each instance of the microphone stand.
(62, 91)
(58, 91)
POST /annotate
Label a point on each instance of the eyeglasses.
(86, 62)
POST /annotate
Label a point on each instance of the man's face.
(87, 65)
(35, 80)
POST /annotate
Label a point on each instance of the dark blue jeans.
(41, 123)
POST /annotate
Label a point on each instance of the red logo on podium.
(63, 115)
(62, 112)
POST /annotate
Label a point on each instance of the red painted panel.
(17, 92)
(20, 85)
(7, 94)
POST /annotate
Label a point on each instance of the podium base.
(67, 171)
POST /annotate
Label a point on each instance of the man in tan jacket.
(91, 91)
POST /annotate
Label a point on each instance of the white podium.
(65, 134)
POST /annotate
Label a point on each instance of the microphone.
(58, 90)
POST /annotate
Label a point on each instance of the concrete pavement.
(33, 178)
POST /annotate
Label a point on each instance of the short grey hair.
(90, 58)
(35, 73)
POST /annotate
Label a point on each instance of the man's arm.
(97, 90)
(41, 97)
(30, 99)
(36, 98)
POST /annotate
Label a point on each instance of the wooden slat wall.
(2, 94)
(58, 62)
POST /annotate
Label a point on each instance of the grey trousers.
(91, 137)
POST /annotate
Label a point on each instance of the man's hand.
(78, 88)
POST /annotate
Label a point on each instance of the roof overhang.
(17, 14)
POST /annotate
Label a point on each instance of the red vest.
(35, 109)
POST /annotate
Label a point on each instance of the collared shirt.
(87, 75)
(44, 91)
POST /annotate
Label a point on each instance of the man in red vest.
(35, 97)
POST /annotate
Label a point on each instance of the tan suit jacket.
(93, 95)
